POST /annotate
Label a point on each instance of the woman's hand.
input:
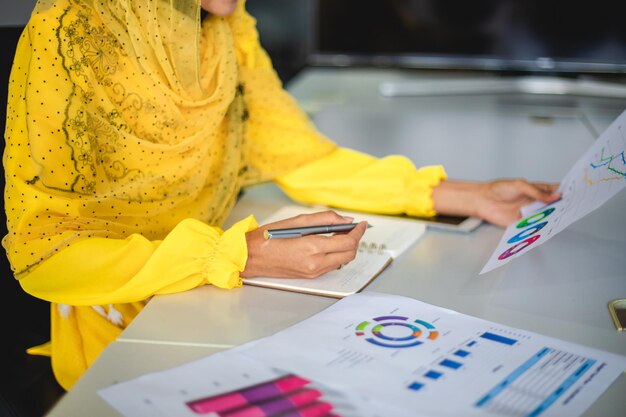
(301, 257)
(498, 202)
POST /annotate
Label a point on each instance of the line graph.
(610, 166)
(603, 176)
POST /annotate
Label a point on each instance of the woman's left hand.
(498, 202)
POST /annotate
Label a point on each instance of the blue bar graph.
(497, 338)
(450, 364)
(461, 353)
(433, 374)
(416, 386)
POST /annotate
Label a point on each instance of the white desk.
(120, 362)
(548, 290)
(560, 289)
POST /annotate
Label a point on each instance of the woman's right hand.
(301, 257)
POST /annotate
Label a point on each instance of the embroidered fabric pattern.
(149, 124)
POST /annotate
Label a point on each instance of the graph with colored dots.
(593, 180)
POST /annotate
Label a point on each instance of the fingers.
(339, 242)
(551, 191)
(539, 191)
(304, 257)
(358, 231)
(311, 256)
(336, 250)
(332, 262)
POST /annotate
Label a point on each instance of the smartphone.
(452, 223)
(460, 224)
(617, 308)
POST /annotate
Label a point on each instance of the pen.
(308, 230)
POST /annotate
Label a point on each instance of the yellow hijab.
(125, 116)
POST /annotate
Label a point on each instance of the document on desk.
(374, 354)
(230, 384)
(386, 239)
(596, 177)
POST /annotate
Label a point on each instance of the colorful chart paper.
(396, 332)
(469, 367)
(593, 180)
(229, 384)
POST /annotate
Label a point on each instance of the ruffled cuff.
(229, 255)
(420, 190)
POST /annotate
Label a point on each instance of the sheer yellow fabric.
(131, 129)
(137, 114)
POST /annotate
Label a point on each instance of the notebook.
(387, 239)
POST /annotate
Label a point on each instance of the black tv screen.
(516, 35)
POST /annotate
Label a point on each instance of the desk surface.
(547, 290)
(560, 289)
(120, 362)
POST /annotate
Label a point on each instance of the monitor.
(529, 36)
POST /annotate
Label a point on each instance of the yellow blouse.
(124, 155)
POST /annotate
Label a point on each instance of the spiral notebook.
(387, 239)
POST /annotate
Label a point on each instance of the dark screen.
(494, 34)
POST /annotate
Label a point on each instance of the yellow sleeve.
(355, 181)
(282, 142)
(280, 136)
(99, 271)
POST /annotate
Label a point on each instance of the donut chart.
(396, 331)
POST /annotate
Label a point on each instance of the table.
(560, 289)
(119, 362)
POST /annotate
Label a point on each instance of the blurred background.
(570, 39)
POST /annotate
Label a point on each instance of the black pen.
(309, 230)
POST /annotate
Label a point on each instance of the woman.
(131, 128)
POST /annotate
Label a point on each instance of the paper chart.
(596, 177)
(228, 384)
(490, 369)
(359, 357)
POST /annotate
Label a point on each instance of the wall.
(15, 12)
